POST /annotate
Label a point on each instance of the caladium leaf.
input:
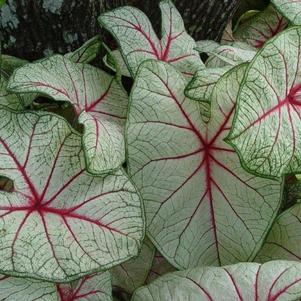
(60, 222)
(96, 287)
(99, 100)
(266, 129)
(9, 63)
(201, 85)
(291, 9)
(272, 281)
(13, 289)
(160, 267)
(116, 58)
(133, 273)
(261, 27)
(87, 52)
(283, 241)
(201, 206)
(139, 42)
(207, 46)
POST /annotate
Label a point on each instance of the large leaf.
(13, 289)
(291, 9)
(99, 100)
(261, 27)
(266, 130)
(139, 42)
(87, 52)
(133, 273)
(201, 206)
(272, 281)
(60, 222)
(95, 287)
(283, 241)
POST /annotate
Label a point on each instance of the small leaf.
(202, 208)
(272, 281)
(133, 273)
(290, 9)
(283, 241)
(261, 27)
(60, 222)
(96, 287)
(99, 101)
(139, 42)
(13, 289)
(160, 267)
(116, 58)
(266, 129)
(87, 52)
(202, 83)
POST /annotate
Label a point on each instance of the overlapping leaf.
(283, 241)
(100, 103)
(272, 281)
(291, 9)
(139, 42)
(87, 52)
(261, 27)
(60, 222)
(266, 130)
(133, 273)
(96, 287)
(201, 206)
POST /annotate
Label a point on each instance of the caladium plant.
(183, 170)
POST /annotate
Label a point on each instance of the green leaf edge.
(229, 137)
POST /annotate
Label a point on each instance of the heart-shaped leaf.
(291, 9)
(283, 241)
(272, 281)
(266, 129)
(201, 206)
(60, 222)
(13, 289)
(99, 100)
(133, 273)
(96, 287)
(139, 42)
(87, 52)
(261, 27)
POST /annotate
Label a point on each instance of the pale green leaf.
(138, 41)
(201, 206)
(60, 222)
(291, 9)
(116, 58)
(272, 281)
(133, 273)
(283, 241)
(266, 130)
(260, 27)
(99, 100)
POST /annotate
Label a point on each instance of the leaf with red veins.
(266, 130)
(133, 273)
(96, 287)
(283, 241)
(291, 9)
(99, 101)
(138, 41)
(202, 208)
(15, 289)
(261, 27)
(272, 281)
(60, 222)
